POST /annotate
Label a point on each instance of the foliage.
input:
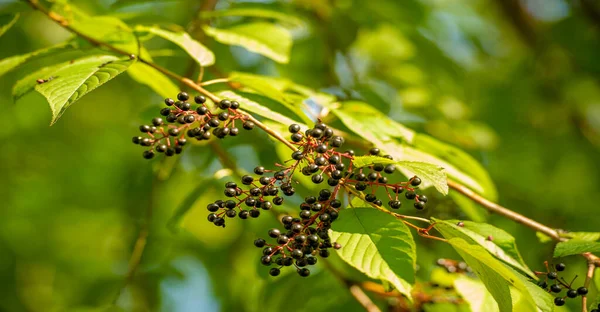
(454, 94)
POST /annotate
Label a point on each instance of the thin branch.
(363, 299)
(588, 279)
(495, 208)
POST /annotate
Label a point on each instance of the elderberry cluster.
(306, 236)
(261, 194)
(559, 283)
(180, 117)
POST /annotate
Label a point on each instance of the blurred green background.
(515, 83)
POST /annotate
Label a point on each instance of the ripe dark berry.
(552, 275)
(260, 170)
(212, 207)
(596, 310)
(316, 133)
(161, 148)
(558, 301)
(324, 253)
(415, 181)
(266, 205)
(410, 195)
(422, 198)
(305, 214)
(282, 239)
(378, 167)
(325, 217)
(325, 193)
(229, 192)
(199, 99)
(582, 291)
(202, 110)
(555, 288)
(224, 104)
(317, 178)
(297, 137)
(181, 142)
(254, 213)
(374, 151)
(137, 140)
(274, 233)
(361, 177)
(212, 217)
(185, 106)
(559, 267)
(183, 96)
(243, 214)
(297, 155)
(171, 117)
(169, 102)
(395, 204)
(294, 128)
(248, 125)
(304, 272)
(311, 260)
(297, 254)
(572, 293)
(223, 116)
(377, 202)
(320, 161)
(264, 180)
(231, 213)
(148, 154)
(334, 159)
(370, 198)
(230, 204)
(360, 186)
(214, 122)
(266, 260)
(274, 272)
(189, 119)
(165, 111)
(234, 131)
(542, 284)
(145, 128)
(235, 105)
(278, 201)
(419, 205)
(337, 141)
(372, 176)
(389, 169)
(219, 222)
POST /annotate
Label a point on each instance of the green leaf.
(266, 39)
(7, 21)
(430, 174)
(584, 236)
(575, 247)
(497, 278)
(370, 123)
(154, 79)
(110, 30)
(502, 245)
(257, 12)
(475, 294)
(466, 169)
(404, 144)
(187, 204)
(201, 54)
(73, 81)
(378, 245)
(256, 108)
(28, 83)
(272, 88)
(362, 161)
(13, 62)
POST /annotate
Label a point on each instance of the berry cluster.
(180, 117)
(306, 236)
(558, 284)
